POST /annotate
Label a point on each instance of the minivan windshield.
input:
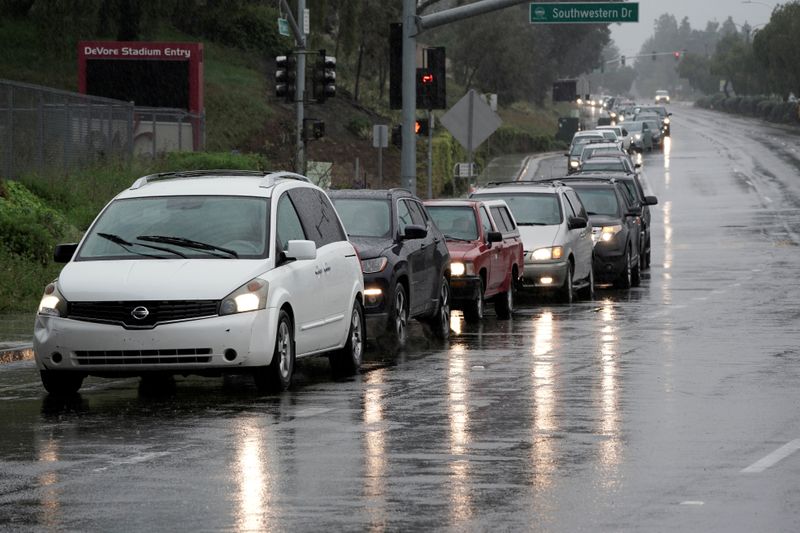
(456, 222)
(365, 217)
(178, 227)
(529, 209)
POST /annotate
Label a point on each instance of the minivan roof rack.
(270, 176)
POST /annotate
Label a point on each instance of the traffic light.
(397, 136)
(396, 65)
(424, 88)
(324, 77)
(285, 70)
(313, 129)
(677, 55)
(436, 64)
(622, 60)
(421, 127)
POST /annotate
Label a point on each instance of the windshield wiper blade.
(116, 239)
(188, 243)
(451, 238)
(533, 224)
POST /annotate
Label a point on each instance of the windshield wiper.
(188, 243)
(451, 238)
(533, 224)
(591, 213)
(116, 239)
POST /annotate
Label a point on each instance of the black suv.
(635, 196)
(404, 258)
(616, 231)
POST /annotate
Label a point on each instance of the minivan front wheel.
(277, 376)
(60, 383)
(348, 360)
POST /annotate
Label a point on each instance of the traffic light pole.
(299, 95)
(412, 25)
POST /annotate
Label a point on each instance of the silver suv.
(553, 225)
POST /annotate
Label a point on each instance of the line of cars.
(216, 272)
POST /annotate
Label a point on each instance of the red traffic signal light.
(676, 54)
(426, 79)
(421, 127)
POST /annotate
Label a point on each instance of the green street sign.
(584, 13)
(283, 27)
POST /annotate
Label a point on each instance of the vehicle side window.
(630, 189)
(507, 219)
(403, 216)
(571, 211)
(498, 219)
(417, 216)
(317, 216)
(577, 205)
(485, 222)
(288, 226)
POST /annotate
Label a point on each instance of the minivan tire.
(277, 376)
(347, 361)
(61, 383)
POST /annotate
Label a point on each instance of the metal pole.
(300, 85)
(430, 154)
(40, 134)
(154, 133)
(380, 166)
(408, 160)
(470, 148)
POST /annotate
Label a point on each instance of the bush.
(360, 127)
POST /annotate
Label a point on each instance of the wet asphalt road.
(672, 407)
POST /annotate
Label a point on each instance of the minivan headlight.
(606, 233)
(545, 254)
(371, 266)
(52, 302)
(249, 297)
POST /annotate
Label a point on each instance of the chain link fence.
(47, 129)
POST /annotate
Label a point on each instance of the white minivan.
(204, 272)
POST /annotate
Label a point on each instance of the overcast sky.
(629, 37)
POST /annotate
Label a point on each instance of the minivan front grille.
(141, 314)
(143, 357)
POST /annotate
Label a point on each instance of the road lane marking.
(778, 455)
(693, 502)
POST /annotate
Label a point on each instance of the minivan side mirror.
(414, 231)
(64, 252)
(637, 165)
(576, 223)
(494, 236)
(650, 200)
(301, 250)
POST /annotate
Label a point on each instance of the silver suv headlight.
(52, 302)
(249, 297)
(605, 233)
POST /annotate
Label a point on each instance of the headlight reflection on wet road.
(375, 449)
(544, 401)
(254, 476)
(611, 447)
(48, 481)
(457, 404)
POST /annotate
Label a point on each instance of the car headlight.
(371, 266)
(605, 233)
(621, 118)
(574, 164)
(666, 121)
(52, 302)
(545, 254)
(249, 297)
(460, 269)
(637, 136)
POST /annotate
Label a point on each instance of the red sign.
(137, 71)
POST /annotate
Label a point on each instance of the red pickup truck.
(486, 256)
